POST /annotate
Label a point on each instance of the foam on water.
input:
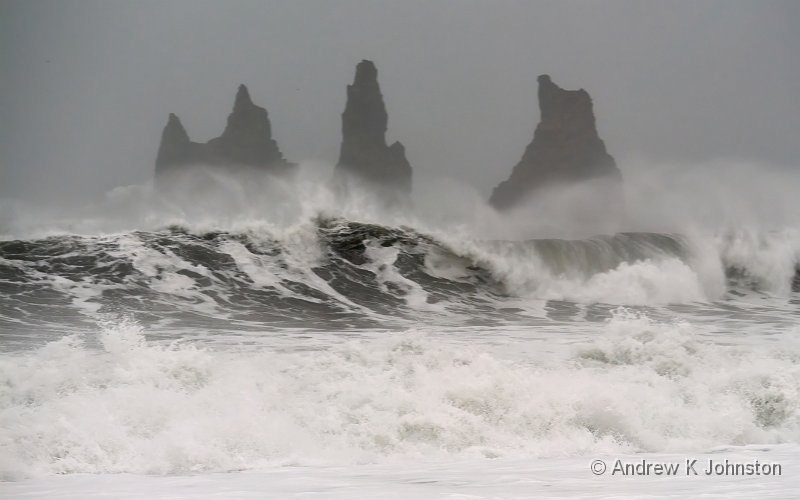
(633, 385)
(766, 260)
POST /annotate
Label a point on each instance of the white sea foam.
(654, 281)
(382, 263)
(769, 260)
(633, 386)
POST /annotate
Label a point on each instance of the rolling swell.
(333, 273)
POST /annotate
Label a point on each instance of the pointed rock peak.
(555, 101)
(174, 121)
(547, 84)
(364, 119)
(175, 144)
(242, 98)
(246, 141)
(174, 130)
(364, 153)
(366, 73)
(565, 149)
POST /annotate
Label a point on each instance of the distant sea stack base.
(246, 142)
(565, 150)
(365, 157)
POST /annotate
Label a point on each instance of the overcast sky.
(86, 86)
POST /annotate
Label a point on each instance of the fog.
(678, 86)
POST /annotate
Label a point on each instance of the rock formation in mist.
(246, 142)
(365, 157)
(565, 150)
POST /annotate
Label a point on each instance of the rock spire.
(565, 149)
(364, 156)
(246, 142)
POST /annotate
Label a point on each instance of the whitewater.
(295, 346)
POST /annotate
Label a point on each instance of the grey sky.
(86, 86)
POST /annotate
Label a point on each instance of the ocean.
(346, 354)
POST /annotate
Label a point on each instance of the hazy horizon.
(87, 86)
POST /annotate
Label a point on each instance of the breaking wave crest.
(333, 271)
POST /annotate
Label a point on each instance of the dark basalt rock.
(246, 142)
(565, 150)
(176, 148)
(365, 156)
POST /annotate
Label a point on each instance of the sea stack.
(176, 149)
(565, 150)
(246, 142)
(365, 159)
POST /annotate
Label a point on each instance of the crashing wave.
(340, 272)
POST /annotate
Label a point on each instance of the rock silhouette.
(246, 142)
(365, 157)
(565, 150)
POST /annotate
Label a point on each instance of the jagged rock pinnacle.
(366, 74)
(175, 130)
(364, 155)
(246, 141)
(565, 148)
(175, 147)
(242, 98)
